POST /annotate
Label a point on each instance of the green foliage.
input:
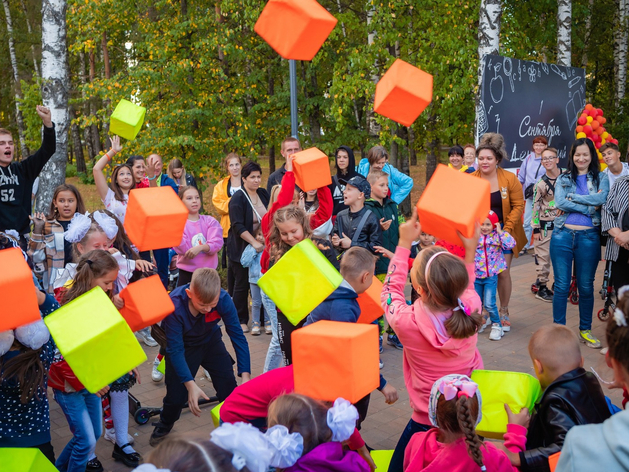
(87, 178)
(70, 170)
(31, 97)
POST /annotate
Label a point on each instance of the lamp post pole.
(293, 97)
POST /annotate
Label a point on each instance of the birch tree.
(16, 78)
(490, 16)
(55, 93)
(564, 33)
(620, 51)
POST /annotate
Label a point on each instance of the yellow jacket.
(220, 200)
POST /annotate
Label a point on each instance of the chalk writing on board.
(524, 99)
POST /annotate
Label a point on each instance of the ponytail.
(92, 265)
(28, 370)
(468, 428)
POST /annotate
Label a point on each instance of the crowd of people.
(563, 215)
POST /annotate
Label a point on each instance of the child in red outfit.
(453, 443)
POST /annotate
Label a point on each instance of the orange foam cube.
(332, 359)
(453, 201)
(403, 92)
(295, 29)
(369, 302)
(18, 295)
(146, 302)
(155, 218)
(553, 460)
(312, 169)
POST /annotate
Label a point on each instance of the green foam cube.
(382, 459)
(161, 367)
(127, 119)
(95, 339)
(216, 414)
(300, 281)
(24, 460)
(516, 389)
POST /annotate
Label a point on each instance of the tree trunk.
(588, 33)
(96, 145)
(55, 94)
(271, 159)
(30, 32)
(372, 125)
(620, 51)
(271, 146)
(488, 32)
(77, 146)
(403, 156)
(87, 132)
(431, 160)
(16, 77)
(411, 146)
(564, 33)
(107, 101)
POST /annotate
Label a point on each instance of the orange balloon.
(600, 119)
(600, 130)
(588, 107)
(595, 125)
(579, 129)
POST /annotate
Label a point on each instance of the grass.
(93, 201)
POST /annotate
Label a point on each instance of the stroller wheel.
(141, 416)
(603, 314)
(574, 298)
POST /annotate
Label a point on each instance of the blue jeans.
(584, 248)
(486, 289)
(256, 303)
(397, 461)
(84, 414)
(163, 264)
(528, 217)
(274, 357)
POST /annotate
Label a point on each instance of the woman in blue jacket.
(400, 184)
(579, 194)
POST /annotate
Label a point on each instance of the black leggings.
(284, 330)
(184, 277)
(238, 288)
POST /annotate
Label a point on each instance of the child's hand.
(136, 373)
(258, 246)
(336, 241)
(385, 224)
(345, 242)
(289, 163)
(103, 391)
(498, 228)
(115, 144)
(144, 266)
(537, 236)
(118, 302)
(39, 220)
(364, 453)
(390, 394)
(514, 457)
(410, 231)
(246, 377)
(385, 252)
(470, 244)
(194, 393)
(192, 252)
(523, 418)
(45, 115)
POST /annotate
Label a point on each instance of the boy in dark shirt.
(357, 225)
(194, 339)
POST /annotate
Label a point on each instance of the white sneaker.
(146, 338)
(110, 435)
(496, 332)
(245, 328)
(156, 375)
(604, 351)
(486, 323)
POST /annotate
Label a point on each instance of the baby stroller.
(607, 293)
(573, 292)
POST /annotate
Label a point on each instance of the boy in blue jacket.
(357, 268)
(194, 339)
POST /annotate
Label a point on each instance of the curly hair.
(291, 212)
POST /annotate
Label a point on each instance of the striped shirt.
(613, 210)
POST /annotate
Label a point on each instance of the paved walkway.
(385, 422)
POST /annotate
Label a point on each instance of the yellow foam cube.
(127, 119)
(216, 414)
(161, 367)
(382, 459)
(95, 339)
(300, 281)
(24, 460)
(516, 389)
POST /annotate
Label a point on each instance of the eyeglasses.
(548, 159)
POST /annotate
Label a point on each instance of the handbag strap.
(251, 203)
(361, 225)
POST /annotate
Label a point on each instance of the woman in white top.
(115, 195)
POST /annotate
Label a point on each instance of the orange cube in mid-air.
(155, 218)
(18, 295)
(453, 201)
(146, 302)
(403, 92)
(332, 359)
(369, 302)
(312, 169)
(295, 29)
(553, 460)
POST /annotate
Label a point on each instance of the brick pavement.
(385, 422)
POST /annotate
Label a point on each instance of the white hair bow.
(342, 419)
(78, 227)
(107, 223)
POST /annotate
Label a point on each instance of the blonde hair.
(556, 347)
(229, 157)
(375, 174)
(446, 282)
(206, 284)
(303, 415)
(176, 164)
(284, 214)
(94, 228)
(357, 260)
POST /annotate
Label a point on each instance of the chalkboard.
(524, 99)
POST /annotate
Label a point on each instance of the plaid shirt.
(47, 253)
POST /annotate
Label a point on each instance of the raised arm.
(99, 168)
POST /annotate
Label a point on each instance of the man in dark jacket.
(357, 225)
(288, 147)
(572, 396)
(16, 178)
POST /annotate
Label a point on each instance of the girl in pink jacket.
(439, 330)
(453, 445)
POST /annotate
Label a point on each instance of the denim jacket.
(567, 200)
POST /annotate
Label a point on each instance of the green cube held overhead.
(95, 339)
(300, 281)
(127, 119)
(24, 460)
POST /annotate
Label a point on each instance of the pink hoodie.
(196, 233)
(425, 453)
(429, 353)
